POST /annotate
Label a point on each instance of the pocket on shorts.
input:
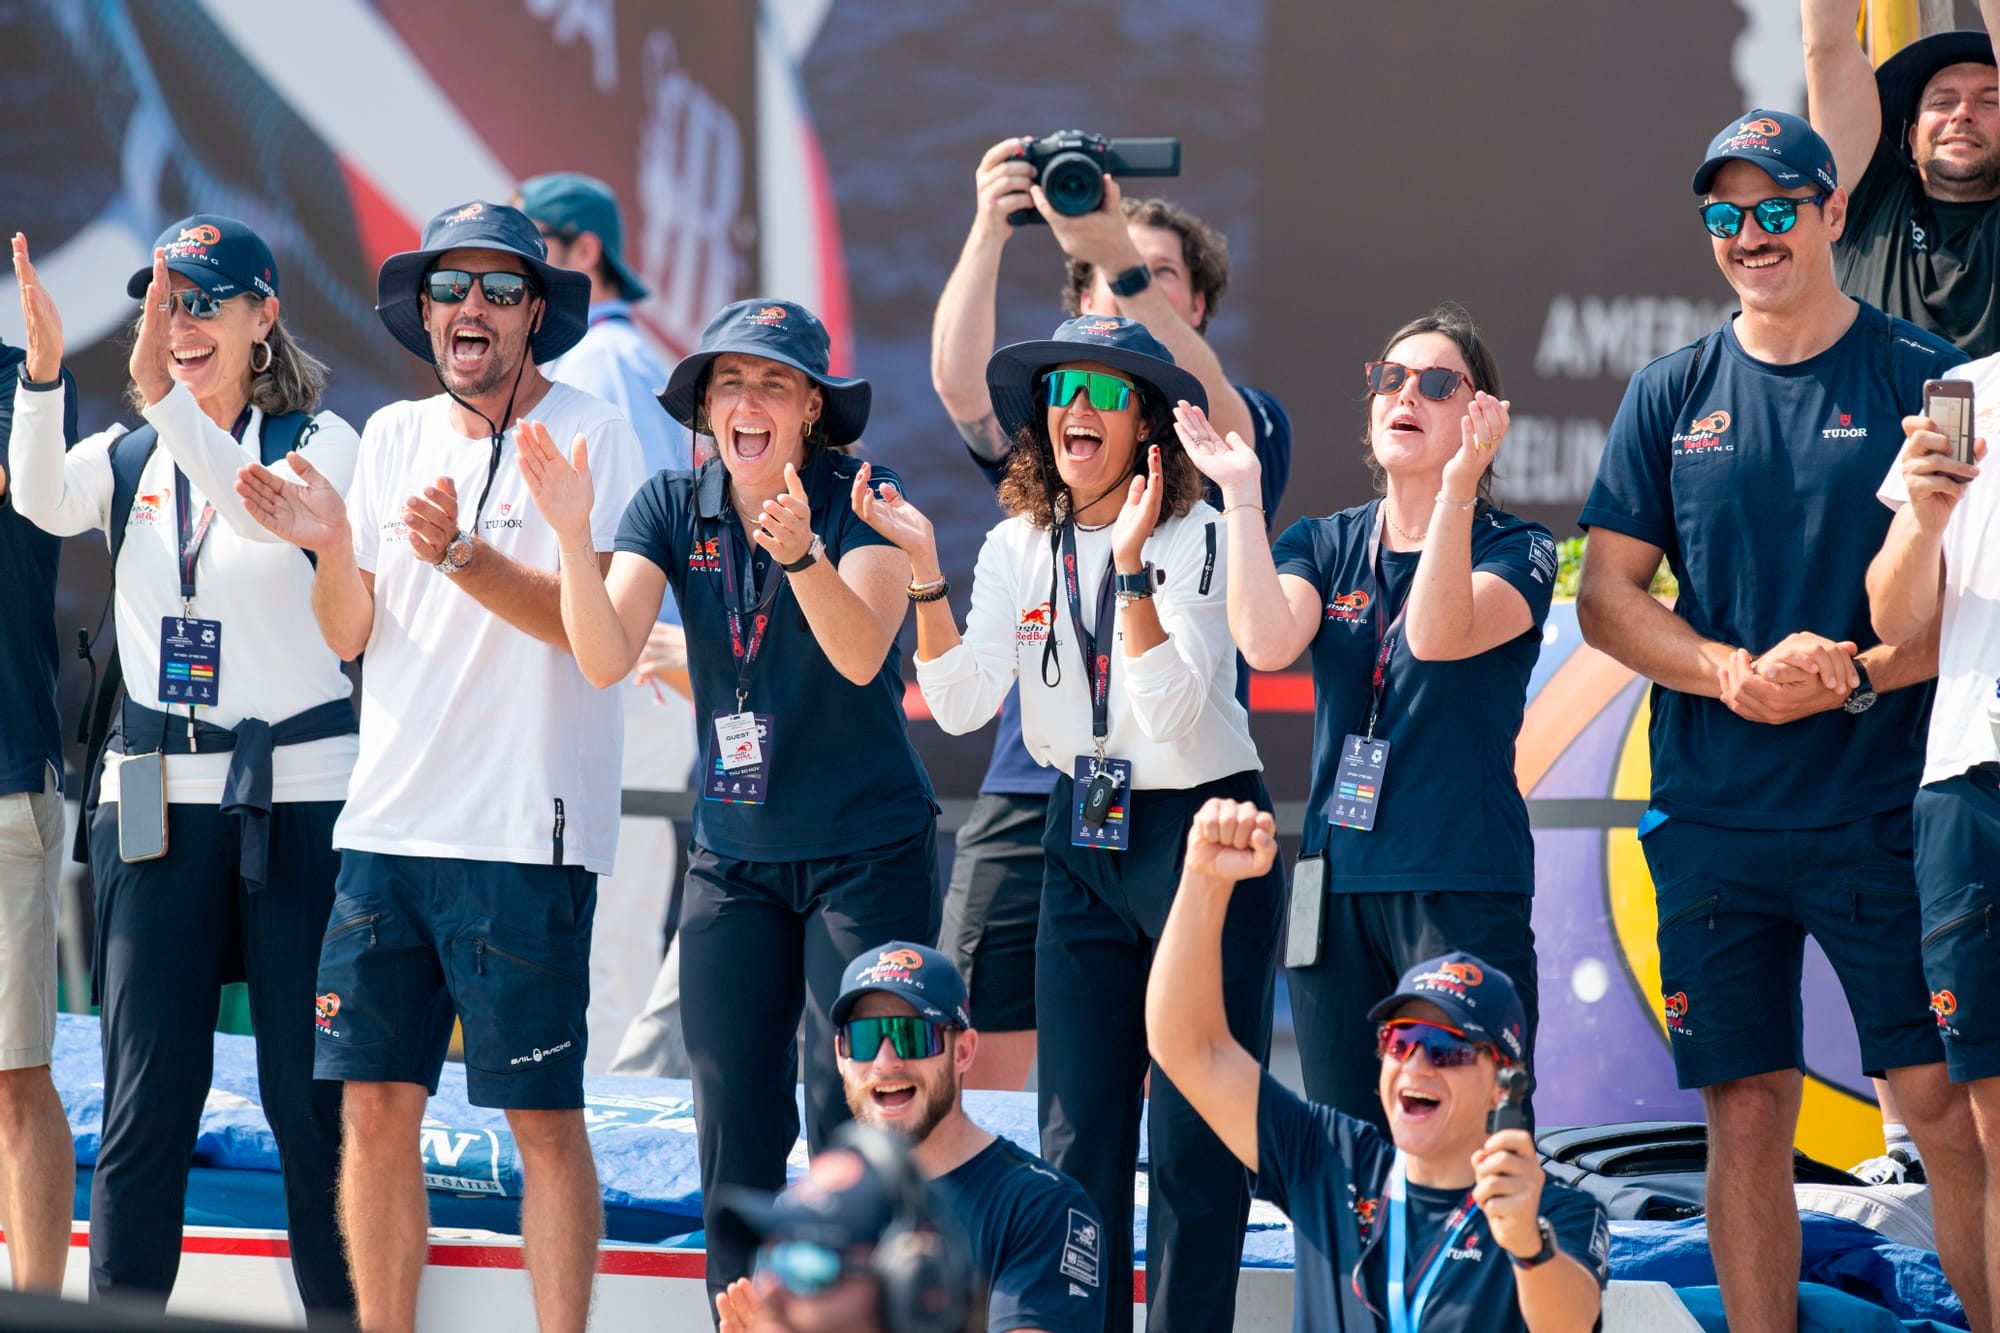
(521, 999)
(1946, 916)
(20, 830)
(340, 1013)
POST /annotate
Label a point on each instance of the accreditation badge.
(1101, 816)
(1357, 783)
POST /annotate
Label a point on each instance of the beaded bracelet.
(929, 592)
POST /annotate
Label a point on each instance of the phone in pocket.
(1304, 923)
(1949, 404)
(142, 807)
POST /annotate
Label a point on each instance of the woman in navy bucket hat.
(816, 833)
(1103, 594)
(235, 719)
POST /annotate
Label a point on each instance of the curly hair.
(1032, 487)
(1455, 323)
(1204, 250)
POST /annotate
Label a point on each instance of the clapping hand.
(40, 318)
(1225, 460)
(312, 516)
(891, 514)
(1139, 517)
(561, 488)
(784, 528)
(151, 357)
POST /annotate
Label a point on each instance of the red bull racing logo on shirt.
(1035, 624)
(325, 1007)
(705, 557)
(1943, 1005)
(147, 505)
(1350, 608)
(1705, 436)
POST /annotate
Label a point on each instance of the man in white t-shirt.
(485, 798)
(1944, 547)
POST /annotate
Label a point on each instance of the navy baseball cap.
(781, 331)
(1479, 998)
(912, 972)
(479, 225)
(1789, 150)
(1013, 374)
(1901, 79)
(842, 1202)
(571, 203)
(222, 256)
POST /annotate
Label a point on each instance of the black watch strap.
(1542, 1256)
(1132, 281)
(38, 386)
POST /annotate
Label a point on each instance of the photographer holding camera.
(1151, 261)
(1449, 1213)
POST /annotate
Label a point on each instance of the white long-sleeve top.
(1173, 711)
(274, 662)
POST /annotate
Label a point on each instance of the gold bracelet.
(1244, 505)
(1456, 504)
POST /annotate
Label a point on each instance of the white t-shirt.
(274, 662)
(1969, 643)
(1172, 711)
(472, 731)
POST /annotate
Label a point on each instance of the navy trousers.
(1102, 914)
(170, 933)
(761, 943)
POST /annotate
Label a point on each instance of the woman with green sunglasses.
(1103, 594)
(1422, 611)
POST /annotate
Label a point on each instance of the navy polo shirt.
(1759, 484)
(1012, 771)
(840, 771)
(1330, 1173)
(1450, 725)
(30, 731)
(1035, 1238)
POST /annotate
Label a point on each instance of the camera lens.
(1074, 184)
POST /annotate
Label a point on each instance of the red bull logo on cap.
(201, 235)
(1704, 435)
(1452, 978)
(1101, 326)
(769, 316)
(1349, 608)
(891, 965)
(466, 214)
(1756, 133)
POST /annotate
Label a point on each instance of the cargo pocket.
(521, 999)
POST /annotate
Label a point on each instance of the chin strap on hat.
(495, 433)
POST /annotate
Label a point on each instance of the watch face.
(1861, 701)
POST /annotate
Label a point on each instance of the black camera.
(1071, 167)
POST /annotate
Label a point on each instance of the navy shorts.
(1958, 873)
(1735, 908)
(413, 940)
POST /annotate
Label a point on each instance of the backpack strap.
(128, 460)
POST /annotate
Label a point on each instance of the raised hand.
(1507, 1181)
(1227, 461)
(1934, 479)
(1002, 184)
(151, 358)
(1230, 841)
(39, 316)
(1139, 517)
(784, 528)
(1480, 432)
(312, 515)
(431, 520)
(892, 515)
(561, 488)
(1099, 238)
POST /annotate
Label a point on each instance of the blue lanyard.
(1407, 1317)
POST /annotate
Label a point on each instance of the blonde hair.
(293, 380)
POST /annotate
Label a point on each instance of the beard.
(935, 1101)
(503, 359)
(1971, 181)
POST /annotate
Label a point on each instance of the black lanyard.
(189, 538)
(1385, 634)
(748, 601)
(1096, 665)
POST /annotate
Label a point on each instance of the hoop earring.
(256, 369)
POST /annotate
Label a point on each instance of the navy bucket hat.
(570, 203)
(1479, 998)
(1789, 150)
(220, 255)
(781, 331)
(1013, 375)
(479, 225)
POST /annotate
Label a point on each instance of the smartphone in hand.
(1510, 1113)
(1949, 404)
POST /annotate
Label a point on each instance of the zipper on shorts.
(1961, 919)
(1707, 905)
(356, 923)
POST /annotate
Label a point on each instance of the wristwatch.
(457, 553)
(1541, 1256)
(1135, 587)
(38, 386)
(1132, 281)
(809, 559)
(1863, 697)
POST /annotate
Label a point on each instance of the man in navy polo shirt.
(1437, 1223)
(1152, 261)
(1784, 755)
(905, 1039)
(37, 1160)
